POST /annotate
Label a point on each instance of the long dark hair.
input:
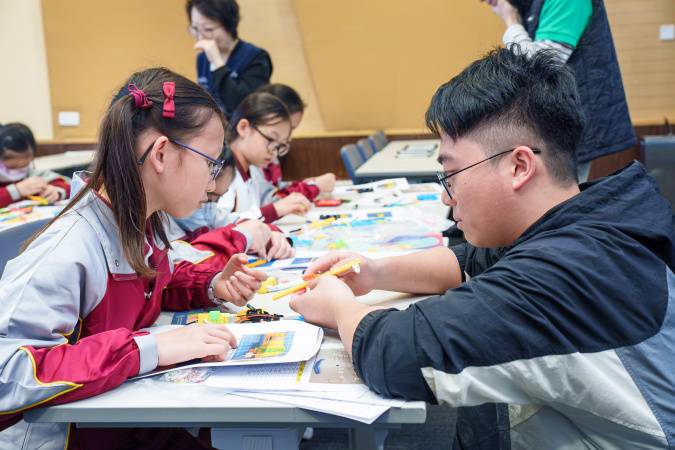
(259, 108)
(16, 137)
(286, 94)
(116, 166)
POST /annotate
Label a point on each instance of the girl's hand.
(237, 283)
(212, 52)
(31, 186)
(326, 182)
(278, 247)
(260, 233)
(207, 341)
(51, 194)
(295, 203)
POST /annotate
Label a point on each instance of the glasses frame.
(287, 147)
(214, 164)
(444, 176)
(194, 31)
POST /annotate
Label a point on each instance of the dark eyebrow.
(443, 158)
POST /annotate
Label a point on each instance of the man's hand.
(210, 342)
(359, 284)
(295, 203)
(237, 283)
(321, 304)
(505, 10)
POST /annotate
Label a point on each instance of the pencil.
(43, 201)
(354, 264)
(258, 262)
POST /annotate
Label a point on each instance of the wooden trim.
(316, 155)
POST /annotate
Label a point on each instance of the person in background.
(579, 34)
(275, 187)
(18, 177)
(227, 67)
(555, 323)
(76, 302)
(196, 243)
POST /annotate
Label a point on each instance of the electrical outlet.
(69, 118)
(667, 32)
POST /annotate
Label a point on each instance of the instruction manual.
(285, 341)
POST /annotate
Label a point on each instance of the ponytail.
(142, 104)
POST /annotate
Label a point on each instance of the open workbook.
(259, 343)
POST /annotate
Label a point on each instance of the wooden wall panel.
(647, 63)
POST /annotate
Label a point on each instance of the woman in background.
(227, 67)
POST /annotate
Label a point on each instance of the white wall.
(24, 80)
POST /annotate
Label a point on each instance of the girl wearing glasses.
(261, 130)
(74, 304)
(216, 247)
(276, 188)
(18, 177)
(227, 67)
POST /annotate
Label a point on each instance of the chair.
(351, 157)
(11, 240)
(379, 140)
(366, 148)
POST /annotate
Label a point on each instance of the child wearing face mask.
(18, 177)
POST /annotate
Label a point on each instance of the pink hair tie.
(140, 99)
(169, 105)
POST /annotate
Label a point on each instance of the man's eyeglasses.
(214, 164)
(274, 145)
(207, 33)
(444, 177)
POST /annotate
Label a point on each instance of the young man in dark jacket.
(558, 315)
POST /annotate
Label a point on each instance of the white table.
(233, 418)
(64, 160)
(169, 405)
(386, 164)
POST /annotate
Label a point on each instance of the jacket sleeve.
(308, 190)
(46, 292)
(233, 90)
(189, 286)
(9, 194)
(223, 242)
(539, 325)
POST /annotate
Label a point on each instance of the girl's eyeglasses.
(273, 145)
(444, 177)
(214, 164)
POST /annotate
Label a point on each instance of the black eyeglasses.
(207, 33)
(443, 177)
(273, 145)
(214, 164)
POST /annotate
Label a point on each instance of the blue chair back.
(379, 140)
(366, 148)
(351, 157)
(11, 240)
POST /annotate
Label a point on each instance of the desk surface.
(64, 160)
(152, 403)
(385, 164)
(157, 404)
